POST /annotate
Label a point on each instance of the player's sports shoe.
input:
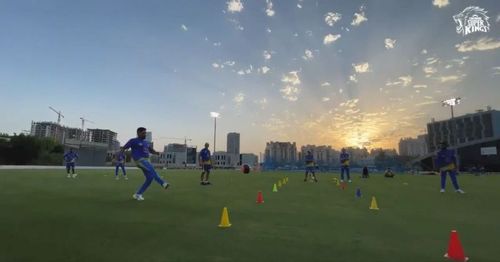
(342, 181)
(165, 185)
(138, 197)
(74, 175)
(442, 191)
(117, 177)
(69, 175)
(350, 181)
(460, 191)
(305, 179)
(126, 177)
(207, 183)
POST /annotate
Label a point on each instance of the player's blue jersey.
(309, 159)
(344, 158)
(120, 157)
(140, 148)
(205, 155)
(70, 157)
(445, 157)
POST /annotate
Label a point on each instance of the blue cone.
(358, 192)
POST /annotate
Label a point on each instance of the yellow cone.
(337, 183)
(279, 183)
(284, 182)
(275, 189)
(374, 205)
(287, 179)
(224, 220)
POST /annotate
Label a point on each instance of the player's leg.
(443, 181)
(314, 176)
(348, 175)
(73, 169)
(305, 175)
(453, 177)
(68, 169)
(202, 177)
(342, 168)
(117, 167)
(151, 170)
(124, 172)
(207, 175)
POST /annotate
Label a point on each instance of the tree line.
(28, 150)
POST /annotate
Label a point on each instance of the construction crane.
(59, 115)
(83, 122)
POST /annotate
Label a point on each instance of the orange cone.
(260, 198)
(342, 185)
(455, 250)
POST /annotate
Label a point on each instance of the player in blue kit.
(446, 163)
(310, 165)
(120, 163)
(70, 158)
(140, 153)
(206, 164)
(344, 165)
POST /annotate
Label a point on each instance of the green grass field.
(47, 217)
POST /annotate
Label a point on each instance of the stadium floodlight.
(454, 101)
(215, 115)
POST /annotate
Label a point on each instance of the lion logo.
(472, 19)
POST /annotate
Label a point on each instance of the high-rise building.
(233, 143)
(47, 130)
(280, 154)
(413, 146)
(250, 159)
(464, 129)
(105, 136)
(180, 155)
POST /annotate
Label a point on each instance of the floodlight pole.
(452, 116)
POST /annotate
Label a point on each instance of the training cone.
(455, 250)
(224, 220)
(260, 198)
(358, 192)
(284, 182)
(337, 183)
(374, 205)
(286, 179)
(279, 183)
(342, 185)
(275, 188)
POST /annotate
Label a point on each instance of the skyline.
(320, 72)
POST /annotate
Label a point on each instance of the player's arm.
(153, 151)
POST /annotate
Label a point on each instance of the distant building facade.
(105, 136)
(249, 159)
(413, 147)
(280, 154)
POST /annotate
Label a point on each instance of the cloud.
(267, 55)
(429, 70)
(234, 6)
(424, 51)
(217, 44)
(353, 79)
(426, 103)
(290, 90)
(330, 39)
(419, 86)
(359, 17)
(265, 69)
(389, 43)
(331, 18)
(308, 55)
(496, 70)
(239, 98)
(498, 18)
(403, 81)
(184, 27)
(269, 9)
(268, 30)
(451, 78)
(291, 78)
(325, 99)
(481, 44)
(440, 3)
(362, 67)
(290, 93)
(262, 102)
(431, 60)
(215, 65)
(299, 6)
(241, 72)
(230, 63)
(325, 84)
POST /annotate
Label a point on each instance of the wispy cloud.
(184, 27)
(269, 8)
(424, 51)
(264, 69)
(331, 18)
(429, 70)
(234, 6)
(353, 79)
(308, 55)
(362, 67)
(482, 44)
(266, 54)
(402, 81)
(389, 43)
(290, 90)
(329, 39)
(440, 3)
(451, 78)
(496, 70)
(325, 84)
(239, 98)
(359, 17)
(431, 60)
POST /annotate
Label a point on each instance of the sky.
(339, 73)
